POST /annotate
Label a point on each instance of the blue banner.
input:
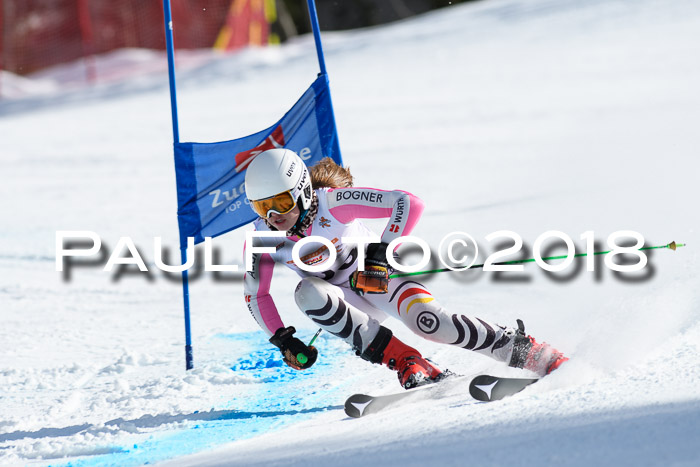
(211, 176)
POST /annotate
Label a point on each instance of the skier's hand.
(295, 353)
(375, 277)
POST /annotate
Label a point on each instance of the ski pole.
(315, 336)
(671, 246)
(301, 358)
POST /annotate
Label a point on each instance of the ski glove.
(296, 354)
(375, 277)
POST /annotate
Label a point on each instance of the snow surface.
(529, 116)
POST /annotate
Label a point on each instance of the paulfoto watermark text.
(457, 251)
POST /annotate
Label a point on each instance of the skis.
(359, 405)
(484, 388)
(488, 388)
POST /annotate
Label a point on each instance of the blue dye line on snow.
(282, 397)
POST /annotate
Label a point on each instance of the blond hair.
(328, 174)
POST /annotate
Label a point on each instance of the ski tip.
(356, 405)
(488, 388)
(481, 387)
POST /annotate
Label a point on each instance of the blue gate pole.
(313, 16)
(167, 17)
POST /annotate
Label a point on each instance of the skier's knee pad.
(312, 293)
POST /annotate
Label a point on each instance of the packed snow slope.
(520, 115)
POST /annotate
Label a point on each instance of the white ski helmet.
(277, 171)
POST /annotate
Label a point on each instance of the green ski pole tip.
(301, 358)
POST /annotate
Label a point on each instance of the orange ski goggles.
(281, 204)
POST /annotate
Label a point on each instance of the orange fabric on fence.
(247, 23)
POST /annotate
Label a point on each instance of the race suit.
(326, 297)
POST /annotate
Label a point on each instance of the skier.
(345, 301)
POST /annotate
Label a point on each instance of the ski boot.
(412, 369)
(531, 355)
